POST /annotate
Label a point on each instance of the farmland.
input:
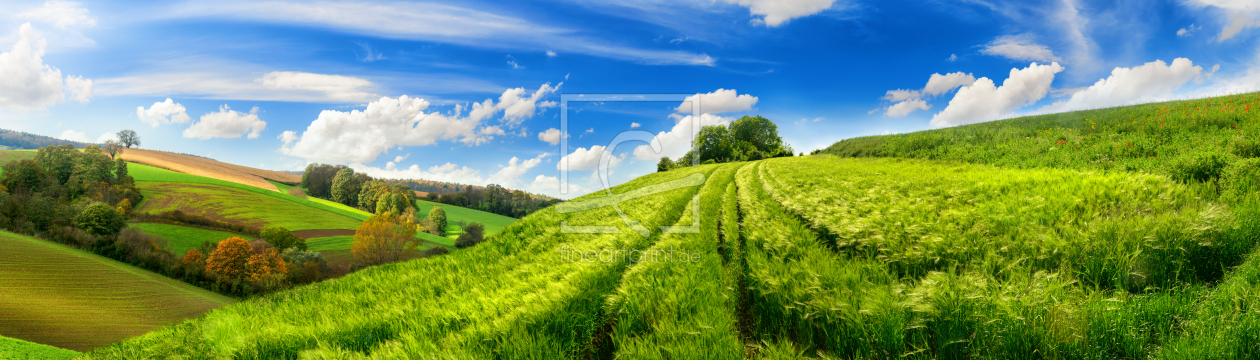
(208, 168)
(234, 205)
(18, 349)
(182, 238)
(455, 214)
(70, 299)
(146, 175)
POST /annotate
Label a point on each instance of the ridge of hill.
(14, 140)
(208, 168)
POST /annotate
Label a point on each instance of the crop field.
(202, 167)
(331, 204)
(235, 205)
(144, 174)
(182, 238)
(454, 214)
(14, 349)
(75, 300)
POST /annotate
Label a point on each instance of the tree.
(664, 165)
(370, 193)
(229, 258)
(390, 203)
(120, 172)
(760, 132)
(282, 239)
(129, 138)
(438, 217)
(263, 264)
(23, 174)
(58, 161)
(193, 259)
(473, 234)
(100, 219)
(382, 239)
(713, 143)
(112, 147)
(347, 185)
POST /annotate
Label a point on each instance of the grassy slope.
(284, 188)
(143, 173)
(11, 155)
(454, 214)
(14, 349)
(488, 299)
(182, 238)
(75, 300)
(238, 206)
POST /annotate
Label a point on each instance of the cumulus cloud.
(29, 83)
(447, 172)
(677, 141)
(362, 135)
(587, 159)
(635, 125)
(718, 101)
(400, 158)
(939, 84)
(166, 112)
(1152, 81)
(333, 87)
(551, 53)
(517, 107)
(1239, 15)
(227, 124)
(551, 136)
(510, 175)
(1019, 48)
(952, 57)
(74, 136)
(984, 101)
(907, 101)
(776, 12)
(105, 137)
(550, 185)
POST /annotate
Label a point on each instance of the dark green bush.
(1201, 167)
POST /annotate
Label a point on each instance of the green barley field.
(14, 349)
(180, 239)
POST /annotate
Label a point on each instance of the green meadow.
(180, 239)
(454, 214)
(14, 349)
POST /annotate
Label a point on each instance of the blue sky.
(280, 84)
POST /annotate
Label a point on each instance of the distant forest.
(12, 140)
(356, 190)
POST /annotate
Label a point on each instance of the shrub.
(383, 239)
(427, 225)
(265, 265)
(193, 259)
(304, 266)
(282, 239)
(297, 192)
(229, 258)
(100, 220)
(473, 234)
(438, 216)
(1201, 167)
(70, 235)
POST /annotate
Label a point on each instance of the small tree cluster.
(473, 234)
(748, 139)
(280, 238)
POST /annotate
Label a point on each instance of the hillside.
(14, 140)
(208, 168)
(14, 349)
(75, 300)
(816, 256)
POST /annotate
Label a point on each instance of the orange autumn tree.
(264, 264)
(229, 258)
(193, 258)
(382, 239)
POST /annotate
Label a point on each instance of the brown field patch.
(311, 234)
(209, 168)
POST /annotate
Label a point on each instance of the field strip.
(144, 174)
(679, 308)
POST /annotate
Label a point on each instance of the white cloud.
(332, 87)
(904, 108)
(163, 113)
(1239, 15)
(74, 136)
(803, 121)
(635, 125)
(227, 124)
(952, 57)
(400, 158)
(1152, 81)
(717, 102)
(29, 83)
(1019, 48)
(61, 14)
(430, 22)
(777, 12)
(677, 141)
(446, 172)
(1189, 30)
(939, 84)
(587, 159)
(550, 185)
(510, 175)
(106, 136)
(983, 101)
(516, 107)
(590, 131)
(551, 136)
(907, 101)
(551, 53)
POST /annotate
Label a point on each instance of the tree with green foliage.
(100, 219)
(473, 234)
(281, 238)
(664, 165)
(120, 172)
(760, 132)
(391, 203)
(129, 138)
(370, 194)
(713, 143)
(346, 186)
(438, 217)
(93, 165)
(23, 174)
(58, 161)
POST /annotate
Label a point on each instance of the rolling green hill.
(182, 238)
(76, 300)
(819, 257)
(144, 173)
(454, 214)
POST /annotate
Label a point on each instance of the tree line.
(21, 140)
(496, 199)
(749, 138)
(341, 184)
